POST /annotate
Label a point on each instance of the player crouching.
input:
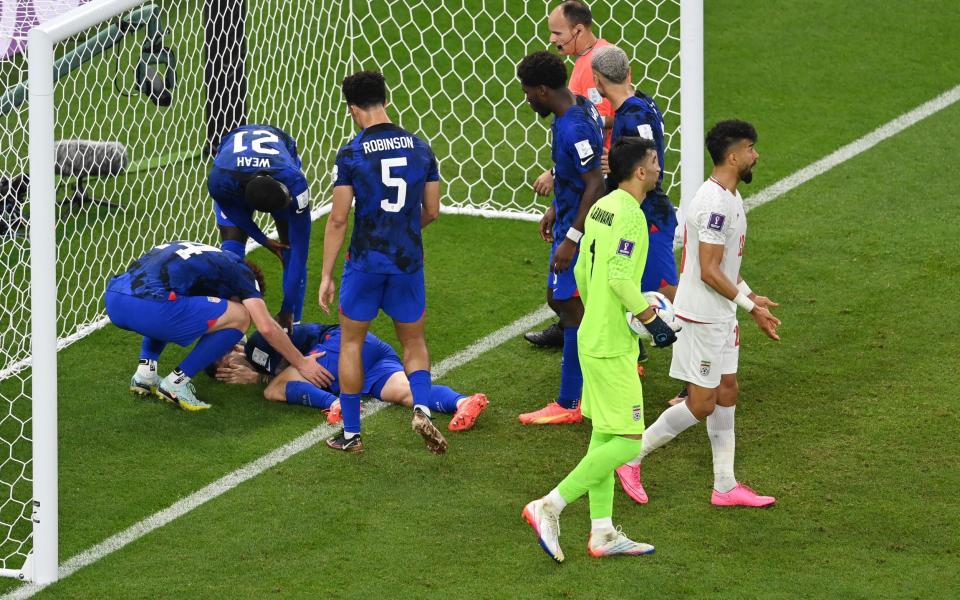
(183, 292)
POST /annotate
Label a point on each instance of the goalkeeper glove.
(663, 335)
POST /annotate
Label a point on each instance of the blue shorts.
(661, 267)
(562, 284)
(380, 363)
(180, 321)
(403, 297)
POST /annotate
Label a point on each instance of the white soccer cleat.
(616, 543)
(547, 525)
(183, 395)
(144, 386)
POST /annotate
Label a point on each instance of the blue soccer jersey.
(250, 150)
(253, 149)
(388, 169)
(639, 116)
(267, 360)
(187, 269)
(577, 148)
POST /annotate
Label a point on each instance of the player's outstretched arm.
(297, 231)
(333, 237)
(712, 275)
(431, 203)
(275, 336)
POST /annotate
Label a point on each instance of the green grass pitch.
(851, 420)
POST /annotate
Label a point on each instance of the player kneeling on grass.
(384, 377)
(181, 291)
(614, 251)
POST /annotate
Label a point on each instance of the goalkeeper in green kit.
(608, 273)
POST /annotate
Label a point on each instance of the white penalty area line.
(251, 470)
(853, 149)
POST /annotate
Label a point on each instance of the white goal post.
(450, 68)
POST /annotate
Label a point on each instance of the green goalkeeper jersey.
(613, 252)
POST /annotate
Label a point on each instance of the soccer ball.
(661, 304)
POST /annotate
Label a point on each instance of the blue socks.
(444, 399)
(150, 349)
(210, 347)
(350, 408)
(234, 246)
(420, 387)
(307, 394)
(571, 378)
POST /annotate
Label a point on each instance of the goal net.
(143, 89)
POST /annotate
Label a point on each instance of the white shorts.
(705, 351)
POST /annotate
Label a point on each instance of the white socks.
(723, 444)
(602, 526)
(555, 501)
(673, 420)
(147, 368)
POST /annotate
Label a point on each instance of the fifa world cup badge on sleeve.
(716, 221)
(625, 248)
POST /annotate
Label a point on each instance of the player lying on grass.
(257, 169)
(384, 378)
(183, 292)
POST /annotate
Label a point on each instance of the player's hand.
(605, 162)
(285, 319)
(325, 296)
(564, 255)
(314, 372)
(543, 185)
(763, 301)
(237, 374)
(662, 335)
(277, 248)
(765, 321)
(546, 224)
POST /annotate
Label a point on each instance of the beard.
(747, 176)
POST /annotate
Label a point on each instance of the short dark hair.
(726, 134)
(625, 154)
(265, 193)
(577, 13)
(542, 68)
(257, 275)
(365, 89)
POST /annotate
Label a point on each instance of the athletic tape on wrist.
(574, 235)
(743, 302)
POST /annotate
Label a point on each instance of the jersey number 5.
(258, 144)
(394, 182)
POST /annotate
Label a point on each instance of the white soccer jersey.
(714, 216)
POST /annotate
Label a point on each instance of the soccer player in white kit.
(710, 290)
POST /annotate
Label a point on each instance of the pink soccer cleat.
(741, 496)
(629, 476)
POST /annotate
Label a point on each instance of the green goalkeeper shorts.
(612, 396)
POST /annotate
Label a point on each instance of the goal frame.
(41, 566)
